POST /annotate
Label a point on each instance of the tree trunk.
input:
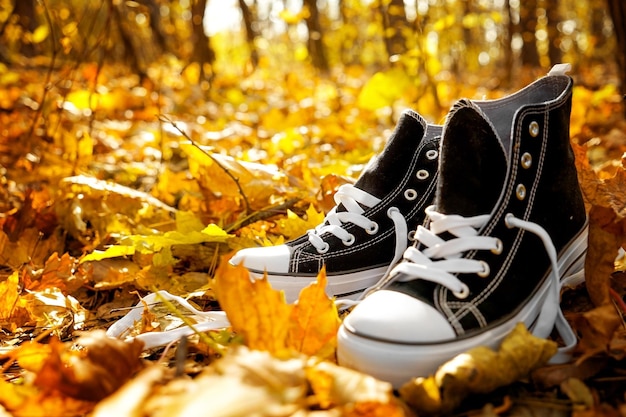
(507, 45)
(315, 41)
(554, 47)
(251, 33)
(24, 10)
(528, 30)
(617, 10)
(202, 51)
(394, 24)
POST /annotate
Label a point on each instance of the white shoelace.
(419, 264)
(354, 199)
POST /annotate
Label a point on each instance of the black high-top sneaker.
(507, 227)
(368, 229)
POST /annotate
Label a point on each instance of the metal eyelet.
(349, 241)
(410, 194)
(432, 154)
(464, 293)
(422, 174)
(498, 249)
(533, 129)
(324, 248)
(373, 229)
(485, 272)
(520, 191)
(411, 236)
(526, 160)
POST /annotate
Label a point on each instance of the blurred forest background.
(110, 87)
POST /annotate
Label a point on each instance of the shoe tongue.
(472, 165)
(389, 167)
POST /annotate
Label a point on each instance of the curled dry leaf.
(480, 370)
(597, 328)
(605, 200)
(90, 368)
(69, 377)
(247, 382)
(91, 209)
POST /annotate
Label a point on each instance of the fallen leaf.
(256, 311)
(314, 321)
(577, 392)
(596, 329)
(480, 370)
(90, 368)
(130, 400)
(294, 226)
(605, 238)
(58, 272)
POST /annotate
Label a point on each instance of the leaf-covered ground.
(114, 188)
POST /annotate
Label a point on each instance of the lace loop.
(354, 199)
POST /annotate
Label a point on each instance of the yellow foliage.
(261, 316)
(383, 89)
(254, 309)
(294, 226)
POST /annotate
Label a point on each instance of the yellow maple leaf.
(314, 321)
(260, 314)
(294, 226)
(256, 312)
(9, 295)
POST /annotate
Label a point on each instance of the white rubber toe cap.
(270, 259)
(396, 317)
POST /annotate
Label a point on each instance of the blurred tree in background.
(204, 54)
(463, 36)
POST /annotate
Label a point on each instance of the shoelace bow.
(354, 199)
(420, 264)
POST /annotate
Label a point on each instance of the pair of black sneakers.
(451, 236)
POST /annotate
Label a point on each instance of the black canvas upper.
(413, 146)
(483, 166)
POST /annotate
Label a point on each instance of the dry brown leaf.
(248, 382)
(604, 241)
(606, 202)
(90, 209)
(58, 272)
(596, 328)
(350, 391)
(91, 368)
(480, 370)
(28, 401)
(130, 400)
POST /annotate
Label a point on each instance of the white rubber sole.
(344, 287)
(398, 362)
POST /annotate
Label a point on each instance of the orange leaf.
(9, 294)
(607, 224)
(605, 238)
(596, 328)
(58, 272)
(91, 368)
(315, 321)
(256, 312)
